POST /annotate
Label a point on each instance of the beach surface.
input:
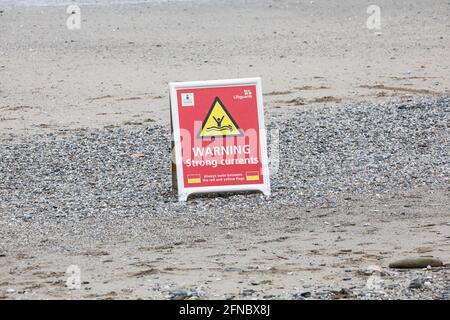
(363, 179)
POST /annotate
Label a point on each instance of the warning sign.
(219, 136)
(218, 122)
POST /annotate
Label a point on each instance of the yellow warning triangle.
(218, 122)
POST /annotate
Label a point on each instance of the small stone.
(300, 294)
(344, 293)
(231, 269)
(370, 270)
(416, 283)
(415, 263)
(137, 155)
(306, 294)
(199, 292)
(247, 292)
(178, 294)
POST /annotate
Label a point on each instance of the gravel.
(57, 183)
(416, 283)
(91, 185)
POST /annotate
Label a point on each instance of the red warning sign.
(219, 136)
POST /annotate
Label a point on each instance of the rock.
(199, 292)
(393, 286)
(370, 270)
(299, 294)
(137, 155)
(344, 293)
(299, 101)
(178, 294)
(10, 290)
(232, 269)
(247, 292)
(416, 283)
(417, 262)
(306, 294)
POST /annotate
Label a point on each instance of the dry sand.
(114, 72)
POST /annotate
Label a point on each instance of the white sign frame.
(184, 192)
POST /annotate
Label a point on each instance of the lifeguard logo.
(247, 95)
(219, 123)
(187, 99)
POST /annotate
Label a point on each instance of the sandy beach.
(363, 178)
